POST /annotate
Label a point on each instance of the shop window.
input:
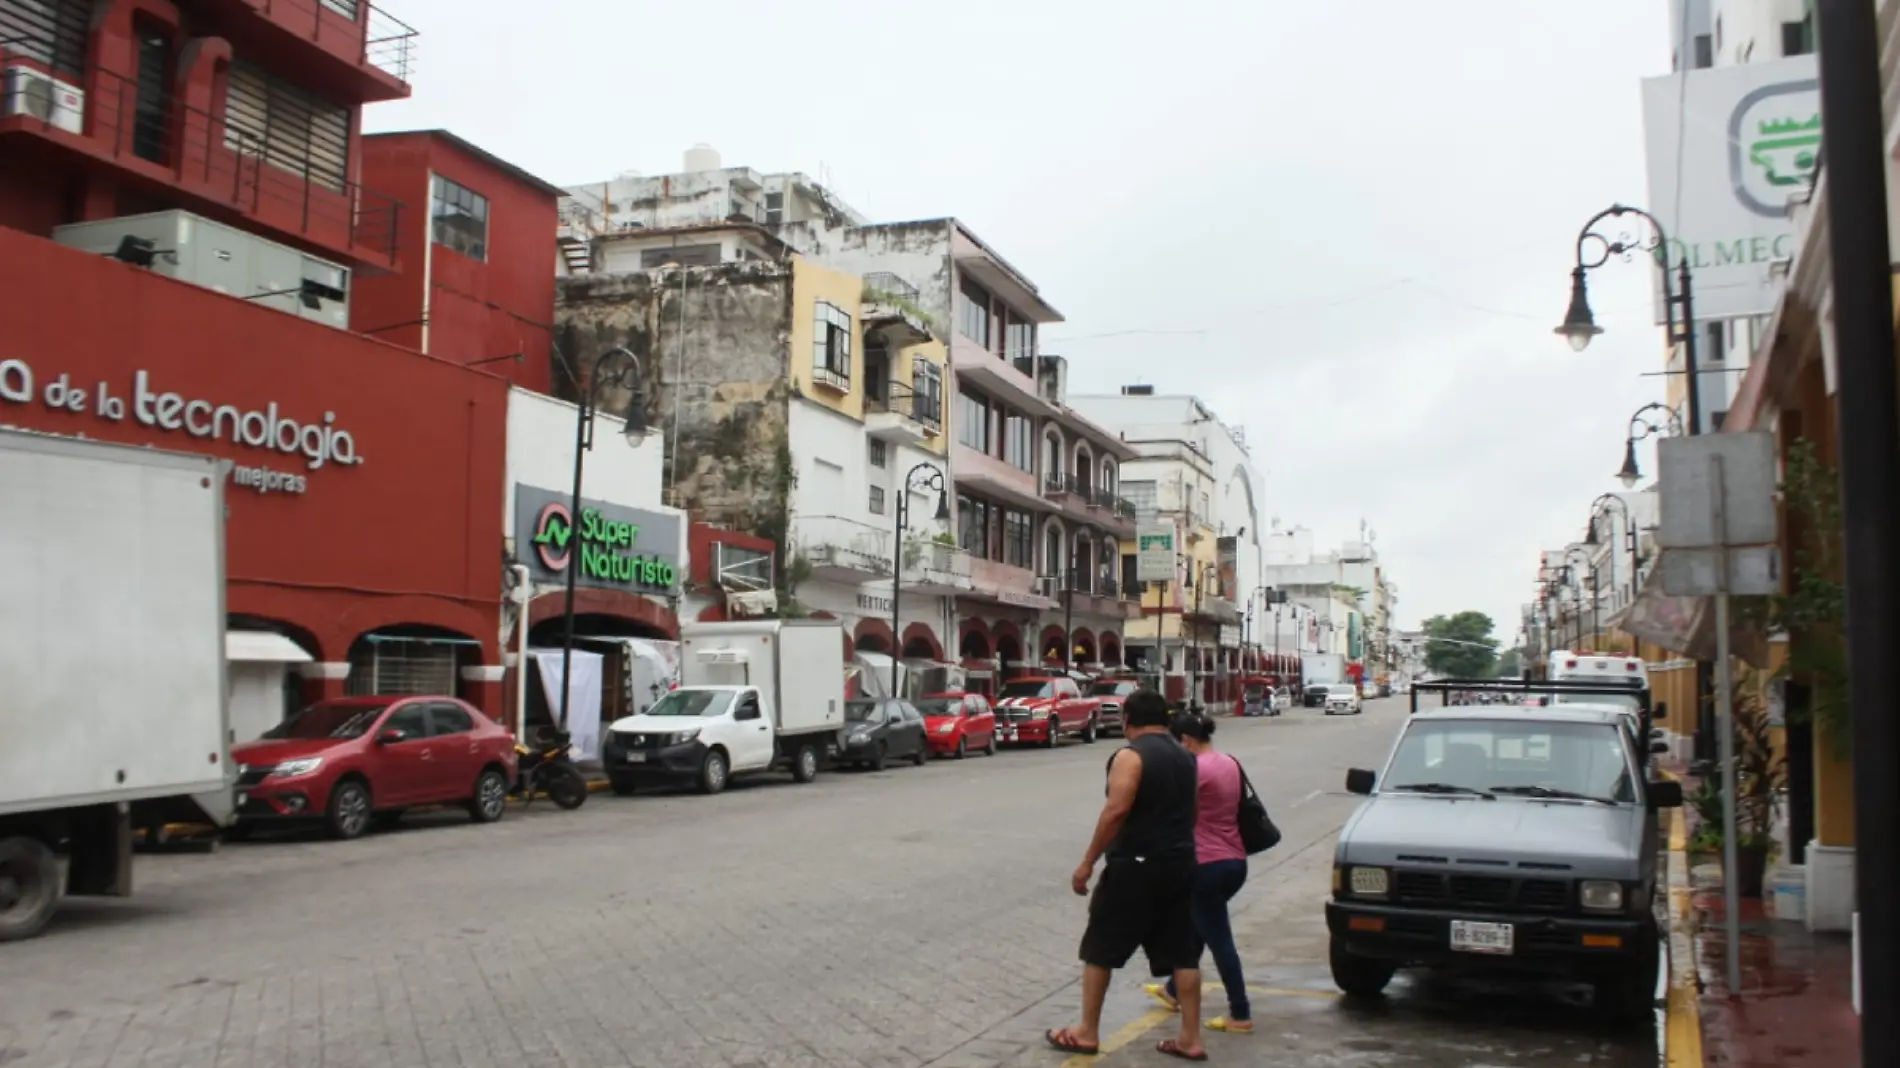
(831, 347)
(458, 218)
(287, 126)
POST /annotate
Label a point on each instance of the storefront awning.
(262, 647)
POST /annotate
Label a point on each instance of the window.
(1515, 756)
(880, 453)
(458, 218)
(831, 346)
(877, 500)
(1704, 52)
(445, 718)
(1797, 38)
(1052, 550)
(412, 720)
(287, 126)
(1018, 540)
(973, 312)
(774, 208)
(51, 33)
(737, 568)
(1142, 495)
(346, 8)
(1130, 584)
(1020, 339)
(926, 379)
(973, 421)
(973, 517)
(683, 255)
(1019, 442)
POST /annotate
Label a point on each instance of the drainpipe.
(522, 594)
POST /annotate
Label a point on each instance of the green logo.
(605, 548)
(1786, 150)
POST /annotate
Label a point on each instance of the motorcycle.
(549, 769)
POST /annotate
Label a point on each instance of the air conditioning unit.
(1049, 586)
(30, 91)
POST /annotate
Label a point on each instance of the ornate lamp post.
(1643, 425)
(925, 476)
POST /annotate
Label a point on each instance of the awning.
(262, 647)
(1681, 625)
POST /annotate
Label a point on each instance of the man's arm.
(1124, 779)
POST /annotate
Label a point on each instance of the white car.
(1343, 700)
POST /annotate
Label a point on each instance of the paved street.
(918, 916)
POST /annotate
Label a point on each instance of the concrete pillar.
(481, 687)
(323, 680)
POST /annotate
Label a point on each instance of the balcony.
(993, 580)
(226, 173)
(996, 478)
(978, 367)
(1096, 595)
(366, 54)
(841, 550)
(895, 308)
(936, 569)
(902, 415)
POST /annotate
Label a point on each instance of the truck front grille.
(1488, 892)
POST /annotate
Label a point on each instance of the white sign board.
(1154, 552)
(1686, 490)
(1753, 571)
(1727, 147)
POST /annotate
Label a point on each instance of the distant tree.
(1511, 664)
(1461, 645)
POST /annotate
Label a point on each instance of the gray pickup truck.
(1504, 840)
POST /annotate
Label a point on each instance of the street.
(916, 916)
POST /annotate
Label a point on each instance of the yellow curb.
(1682, 1011)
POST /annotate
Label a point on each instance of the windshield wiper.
(1550, 794)
(1444, 788)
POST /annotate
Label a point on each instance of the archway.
(920, 643)
(1009, 649)
(410, 659)
(1111, 650)
(261, 658)
(873, 636)
(1051, 644)
(653, 619)
(974, 645)
(1082, 646)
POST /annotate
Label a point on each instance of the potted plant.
(1760, 776)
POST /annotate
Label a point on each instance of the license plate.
(1471, 937)
(636, 757)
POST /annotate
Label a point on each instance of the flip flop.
(1159, 992)
(1230, 1027)
(1173, 1049)
(1064, 1040)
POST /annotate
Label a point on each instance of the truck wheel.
(805, 763)
(1049, 740)
(1088, 732)
(1358, 977)
(623, 785)
(29, 887)
(876, 763)
(350, 808)
(1629, 998)
(713, 772)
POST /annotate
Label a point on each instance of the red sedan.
(347, 761)
(955, 723)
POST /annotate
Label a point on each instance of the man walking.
(1146, 831)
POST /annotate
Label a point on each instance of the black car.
(876, 730)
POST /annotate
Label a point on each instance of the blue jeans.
(1215, 884)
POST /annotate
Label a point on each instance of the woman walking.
(1221, 869)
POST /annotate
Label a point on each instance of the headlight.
(1602, 895)
(1369, 882)
(1040, 713)
(296, 767)
(946, 728)
(682, 737)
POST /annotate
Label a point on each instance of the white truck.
(112, 674)
(1319, 672)
(754, 695)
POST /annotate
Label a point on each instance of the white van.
(1630, 671)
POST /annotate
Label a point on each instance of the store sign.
(1155, 554)
(869, 603)
(612, 546)
(1727, 148)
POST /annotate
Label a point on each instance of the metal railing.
(389, 44)
(906, 400)
(885, 283)
(211, 158)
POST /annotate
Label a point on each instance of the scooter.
(549, 769)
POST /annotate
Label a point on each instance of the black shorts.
(1143, 904)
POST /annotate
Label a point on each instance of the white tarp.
(583, 697)
(652, 672)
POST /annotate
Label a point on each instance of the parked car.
(1343, 699)
(1040, 708)
(955, 723)
(1110, 695)
(350, 760)
(875, 730)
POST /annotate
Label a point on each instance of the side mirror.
(1657, 745)
(1360, 781)
(391, 737)
(1665, 793)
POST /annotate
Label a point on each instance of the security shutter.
(49, 32)
(287, 126)
(400, 667)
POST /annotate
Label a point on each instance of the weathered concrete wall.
(917, 252)
(723, 407)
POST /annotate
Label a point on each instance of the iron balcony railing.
(884, 283)
(925, 407)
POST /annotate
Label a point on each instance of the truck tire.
(1629, 999)
(1055, 728)
(714, 772)
(1358, 977)
(349, 811)
(623, 785)
(1088, 732)
(805, 763)
(29, 887)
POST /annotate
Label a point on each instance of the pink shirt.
(1216, 828)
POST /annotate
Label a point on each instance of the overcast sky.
(1347, 226)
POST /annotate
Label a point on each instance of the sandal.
(1159, 992)
(1231, 1027)
(1173, 1049)
(1064, 1039)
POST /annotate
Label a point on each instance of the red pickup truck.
(1037, 709)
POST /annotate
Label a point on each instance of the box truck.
(112, 675)
(754, 695)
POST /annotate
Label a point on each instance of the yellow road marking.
(1149, 1021)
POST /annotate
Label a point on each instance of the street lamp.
(925, 476)
(1601, 506)
(1643, 426)
(1579, 326)
(620, 368)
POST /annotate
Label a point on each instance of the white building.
(1347, 589)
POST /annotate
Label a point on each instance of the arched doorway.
(920, 643)
(261, 657)
(1051, 644)
(974, 642)
(1111, 650)
(1082, 574)
(1009, 650)
(1084, 471)
(873, 636)
(1082, 646)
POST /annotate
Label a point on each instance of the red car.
(1110, 695)
(955, 723)
(346, 761)
(1040, 708)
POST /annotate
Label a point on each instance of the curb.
(1681, 1045)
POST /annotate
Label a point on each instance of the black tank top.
(1161, 823)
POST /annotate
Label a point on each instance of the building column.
(1830, 875)
(323, 680)
(481, 687)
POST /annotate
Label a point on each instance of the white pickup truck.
(753, 696)
(111, 660)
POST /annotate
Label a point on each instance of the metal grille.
(1482, 891)
(399, 667)
(51, 33)
(287, 126)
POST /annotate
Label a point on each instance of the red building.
(366, 479)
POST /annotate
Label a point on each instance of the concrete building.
(1032, 550)
(1347, 590)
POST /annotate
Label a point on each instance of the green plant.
(1761, 774)
(946, 538)
(1814, 611)
(910, 307)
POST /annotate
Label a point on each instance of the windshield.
(1525, 757)
(351, 720)
(940, 706)
(1043, 688)
(861, 712)
(692, 703)
(1111, 689)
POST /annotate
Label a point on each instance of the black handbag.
(1257, 832)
